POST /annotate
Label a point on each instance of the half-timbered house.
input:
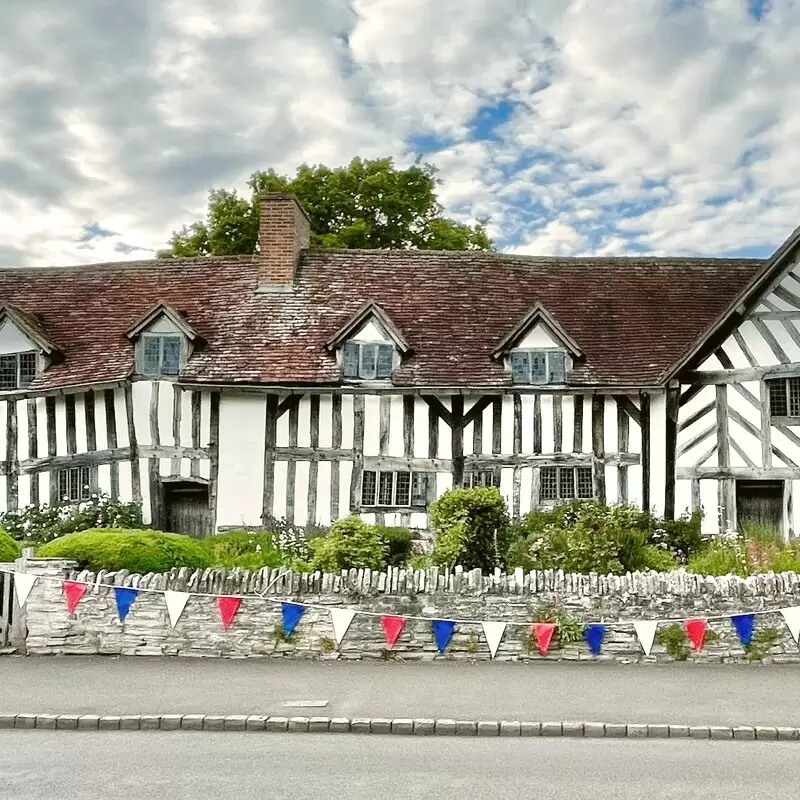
(311, 384)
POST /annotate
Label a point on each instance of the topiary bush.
(249, 550)
(400, 543)
(134, 550)
(9, 549)
(471, 528)
(351, 543)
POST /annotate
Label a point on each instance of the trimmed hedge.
(249, 550)
(134, 550)
(9, 549)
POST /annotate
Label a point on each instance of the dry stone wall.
(45, 627)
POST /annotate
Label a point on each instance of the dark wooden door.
(759, 502)
(187, 509)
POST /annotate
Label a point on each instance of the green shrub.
(471, 528)
(755, 550)
(135, 550)
(39, 524)
(720, 557)
(681, 536)
(351, 543)
(400, 544)
(246, 549)
(9, 549)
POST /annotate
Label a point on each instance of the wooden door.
(187, 509)
(760, 503)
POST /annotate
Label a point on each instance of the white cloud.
(636, 125)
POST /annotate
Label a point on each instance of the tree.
(367, 204)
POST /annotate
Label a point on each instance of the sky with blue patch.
(638, 127)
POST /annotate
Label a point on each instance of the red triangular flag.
(228, 606)
(392, 628)
(73, 592)
(696, 629)
(543, 631)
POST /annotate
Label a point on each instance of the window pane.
(63, 484)
(74, 483)
(549, 487)
(557, 367)
(419, 489)
(585, 486)
(777, 398)
(538, 367)
(351, 360)
(794, 397)
(151, 355)
(86, 488)
(385, 353)
(385, 488)
(171, 355)
(368, 482)
(520, 370)
(27, 368)
(8, 372)
(369, 359)
(402, 491)
(566, 483)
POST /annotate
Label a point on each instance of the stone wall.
(515, 597)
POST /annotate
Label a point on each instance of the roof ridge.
(152, 263)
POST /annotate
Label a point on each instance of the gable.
(12, 339)
(162, 324)
(370, 332)
(538, 337)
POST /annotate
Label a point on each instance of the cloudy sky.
(578, 126)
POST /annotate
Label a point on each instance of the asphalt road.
(39, 765)
(680, 694)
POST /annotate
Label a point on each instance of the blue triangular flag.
(291, 616)
(594, 635)
(443, 632)
(124, 598)
(744, 624)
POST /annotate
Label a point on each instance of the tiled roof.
(631, 317)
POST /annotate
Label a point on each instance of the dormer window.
(538, 366)
(161, 354)
(368, 360)
(17, 370)
(163, 341)
(25, 349)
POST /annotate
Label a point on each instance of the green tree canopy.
(367, 204)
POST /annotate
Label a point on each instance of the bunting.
(124, 598)
(228, 606)
(73, 592)
(543, 631)
(744, 625)
(291, 613)
(646, 633)
(341, 619)
(594, 635)
(792, 618)
(443, 632)
(696, 631)
(392, 628)
(493, 631)
(23, 583)
(176, 602)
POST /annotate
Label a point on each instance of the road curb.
(397, 727)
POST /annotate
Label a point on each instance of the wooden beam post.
(598, 447)
(671, 430)
(644, 416)
(270, 437)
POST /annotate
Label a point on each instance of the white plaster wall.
(658, 438)
(371, 332)
(12, 340)
(538, 337)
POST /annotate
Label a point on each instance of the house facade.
(307, 385)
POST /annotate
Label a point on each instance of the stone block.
(552, 729)
(171, 722)
(699, 732)
(89, 722)
(319, 725)
(530, 729)
(7, 720)
(787, 734)
(403, 726)
(594, 730)
(277, 724)
(298, 725)
(616, 731)
(720, 732)
(637, 731)
(150, 722)
(380, 725)
(46, 721)
(658, 731)
(213, 722)
(424, 727)
(130, 722)
(340, 725)
(509, 728)
(234, 722)
(465, 727)
(572, 729)
(108, 723)
(488, 728)
(25, 721)
(256, 722)
(678, 731)
(360, 725)
(192, 722)
(744, 732)
(67, 722)
(766, 733)
(445, 727)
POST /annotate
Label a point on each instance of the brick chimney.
(283, 231)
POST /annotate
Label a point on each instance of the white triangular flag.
(792, 617)
(493, 631)
(341, 619)
(646, 631)
(23, 583)
(176, 602)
